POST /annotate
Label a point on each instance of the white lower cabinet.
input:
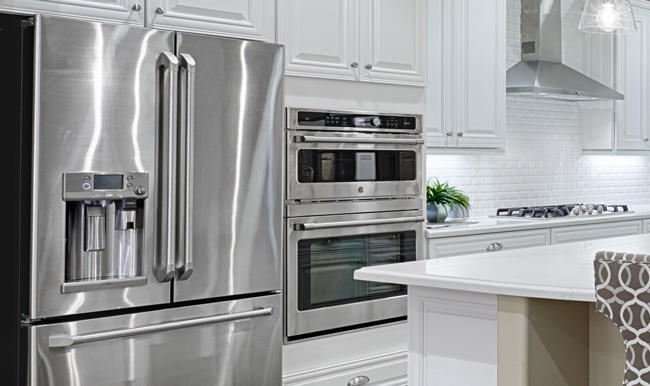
(646, 226)
(488, 242)
(568, 234)
(371, 357)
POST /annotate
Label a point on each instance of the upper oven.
(343, 155)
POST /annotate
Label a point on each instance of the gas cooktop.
(557, 211)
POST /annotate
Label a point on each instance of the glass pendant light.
(607, 17)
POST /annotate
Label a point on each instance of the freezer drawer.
(219, 344)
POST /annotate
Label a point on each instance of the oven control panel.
(311, 118)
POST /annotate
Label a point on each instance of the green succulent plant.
(449, 197)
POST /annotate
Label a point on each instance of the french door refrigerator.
(143, 187)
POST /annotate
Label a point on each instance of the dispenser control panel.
(105, 185)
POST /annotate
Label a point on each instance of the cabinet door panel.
(245, 19)
(101, 10)
(321, 37)
(632, 79)
(595, 231)
(393, 43)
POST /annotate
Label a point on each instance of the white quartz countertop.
(562, 271)
(481, 225)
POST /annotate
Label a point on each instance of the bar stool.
(623, 295)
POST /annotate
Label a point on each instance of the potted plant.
(442, 199)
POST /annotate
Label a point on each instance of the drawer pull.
(495, 247)
(360, 380)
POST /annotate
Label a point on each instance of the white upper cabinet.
(122, 11)
(632, 81)
(627, 130)
(466, 98)
(366, 40)
(245, 19)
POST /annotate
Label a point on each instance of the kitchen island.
(518, 317)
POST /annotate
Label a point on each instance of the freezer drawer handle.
(71, 340)
(355, 223)
(385, 141)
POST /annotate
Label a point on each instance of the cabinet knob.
(369, 66)
(137, 7)
(354, 65)
(645, 139)
(160, 11)
(495, 247)
(360, 380)
(450, 134)
(460, 134)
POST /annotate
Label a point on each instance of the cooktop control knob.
(140, 190)
(375, 121)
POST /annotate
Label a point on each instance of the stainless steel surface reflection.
(237, 165)
(185, 346)
(97, 82)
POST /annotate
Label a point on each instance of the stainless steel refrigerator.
(143, 192)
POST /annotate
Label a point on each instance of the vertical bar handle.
(184, 266)
(167, 73)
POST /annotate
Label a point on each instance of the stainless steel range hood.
(541, 72)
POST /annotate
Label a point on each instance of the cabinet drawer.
(463, 245)
(568, 234)
(383, 370)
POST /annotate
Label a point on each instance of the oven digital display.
(108, 181)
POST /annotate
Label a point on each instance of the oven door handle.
(384, 141)
(355, 223)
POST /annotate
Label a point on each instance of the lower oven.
(322, 254)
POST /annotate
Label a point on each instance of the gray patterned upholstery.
(623, 295)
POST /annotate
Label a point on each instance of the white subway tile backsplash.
(543, 163)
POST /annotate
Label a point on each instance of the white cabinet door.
(123, 11)
(393, 47)
(646, 226)
(632, 81)
(321, 37)
(244, 19)
(465, 245)
(361, 40)
(467, 73)
(568, 234)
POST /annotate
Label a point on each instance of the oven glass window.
(326, 267)
(316, 166)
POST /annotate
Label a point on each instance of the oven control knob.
(360, 189)
(375, 121)
(140, 191)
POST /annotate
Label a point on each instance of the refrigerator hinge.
(27, 23)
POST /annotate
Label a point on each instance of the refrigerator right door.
(235, 188)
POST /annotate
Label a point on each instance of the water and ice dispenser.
(104, 230)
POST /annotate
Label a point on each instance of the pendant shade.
(607, 17)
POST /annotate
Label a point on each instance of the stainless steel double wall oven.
(354, 199)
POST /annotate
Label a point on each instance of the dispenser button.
(129, 186)
(86, 178)
(129, 178)
(109, 194)
(85, 186)
(140, 190)
(95, 194)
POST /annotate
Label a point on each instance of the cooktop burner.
(551, 211)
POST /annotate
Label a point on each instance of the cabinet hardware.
(360, 380)
(369, 66)
(460, 134)
(449, 134)
(495, 247)
(136, 7)
(159, 11)
(645, 139)
(354, 65)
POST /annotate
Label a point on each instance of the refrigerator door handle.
(58, 341)
(184, 266)
(164, 264)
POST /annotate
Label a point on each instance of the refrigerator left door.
(103, 104)
(232, 343)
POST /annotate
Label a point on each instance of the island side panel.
(606, 350)
(452, 337)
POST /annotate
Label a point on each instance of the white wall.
(543, 163)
